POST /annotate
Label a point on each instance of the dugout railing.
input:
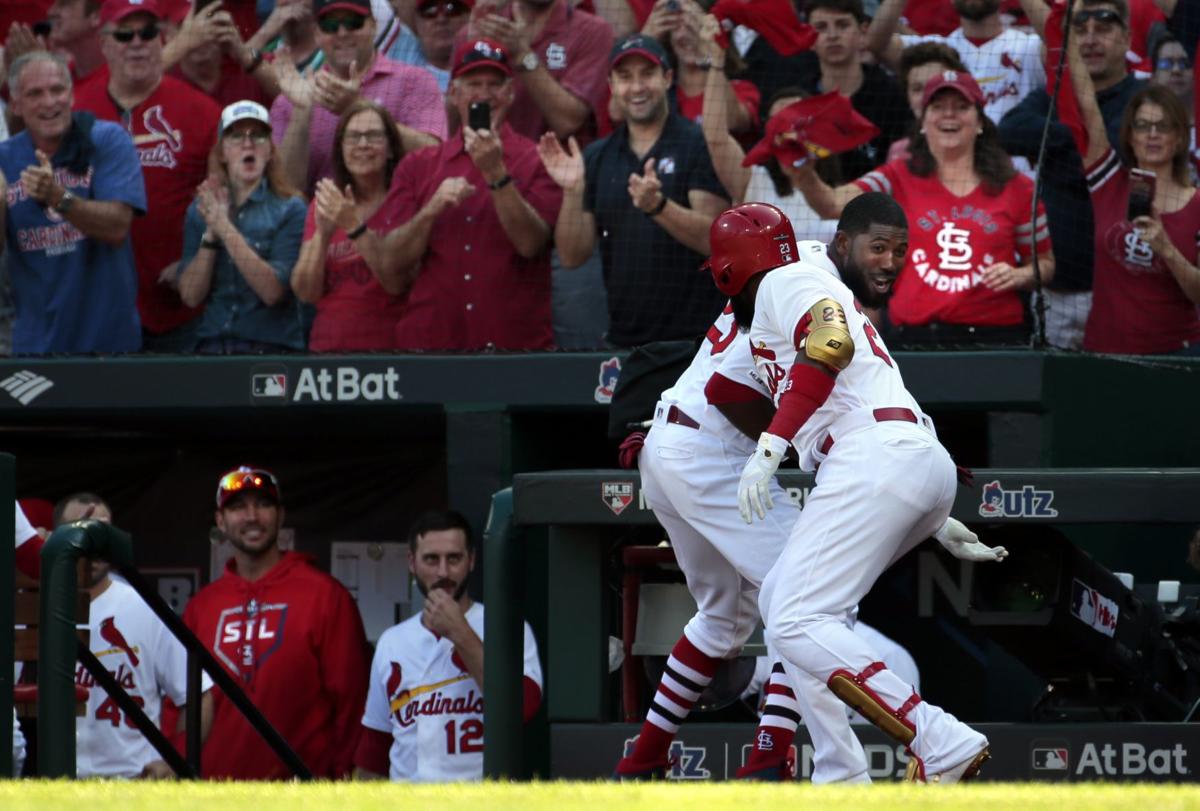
(583, 512)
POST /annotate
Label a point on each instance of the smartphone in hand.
(1141, 193)
(479, 115)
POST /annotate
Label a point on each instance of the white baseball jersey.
(18, 744)
(872, 379)
(142, 655)
(1007, 67)
(422, 694)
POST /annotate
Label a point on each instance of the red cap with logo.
(819, 126)
(963, 83)
(113, 11)
(480, 53)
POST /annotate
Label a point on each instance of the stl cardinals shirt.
(422, 694)
(142, 655)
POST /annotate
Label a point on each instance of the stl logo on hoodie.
(247, 635)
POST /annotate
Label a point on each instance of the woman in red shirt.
(356, 312)
(972, 244)
(1147, 283)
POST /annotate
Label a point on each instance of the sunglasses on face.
(1100, 15)
(248, 137)
(1178, 63)
(145, 34)
(330, 25)
(431, 11)
(1161, 127)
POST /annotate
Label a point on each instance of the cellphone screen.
(1141, 194)
(479, 116)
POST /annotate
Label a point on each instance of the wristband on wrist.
(212, 243)
(357, 232)
(501, 183)
(658, 209)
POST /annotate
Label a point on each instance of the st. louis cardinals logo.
(246, 636)
(161, 142)
(406, 705)
(111, 634)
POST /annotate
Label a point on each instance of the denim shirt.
(273, 226)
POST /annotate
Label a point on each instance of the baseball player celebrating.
(690, 465)
(424, 712)
(884, 483)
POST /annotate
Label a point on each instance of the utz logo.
(687, 762)
(272, 386)
(1051, 759)
(1028, 502)
(610, 370)
(1094, 609)
(617, 495)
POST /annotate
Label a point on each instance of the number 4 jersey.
(422, 694)
(782, 319)
(142, 655)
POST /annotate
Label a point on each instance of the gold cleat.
(955, 774)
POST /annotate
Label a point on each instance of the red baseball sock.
(777, 728)
(687, 673)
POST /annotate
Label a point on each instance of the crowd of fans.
(467, 175)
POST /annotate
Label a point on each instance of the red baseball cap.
(360, 7)
(964, 83)
(819, 126)
(480, 53)
(113, 11)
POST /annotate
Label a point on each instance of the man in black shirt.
(649, 192)
(835, 63)
(1104, 41)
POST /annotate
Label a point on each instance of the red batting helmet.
(746, 240)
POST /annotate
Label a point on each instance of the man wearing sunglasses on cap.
(430, 44)
(174, 127)
(304, 118)
(290, 633)
(1101, 27)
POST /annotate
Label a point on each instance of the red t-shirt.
(1137, 306)
(951, 240)
(474, 291)
(294, 640)
(235, 85)
(354, 313)
(174, 130)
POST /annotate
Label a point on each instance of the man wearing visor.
(290, 633)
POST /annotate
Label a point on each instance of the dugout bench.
(582, 510)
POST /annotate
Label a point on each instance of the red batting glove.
(630, 449)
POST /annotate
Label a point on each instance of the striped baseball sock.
(687, 673)
(777, 728)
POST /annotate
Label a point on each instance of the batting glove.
(964, 544)
(754, 490)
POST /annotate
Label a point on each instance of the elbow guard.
(823, 336)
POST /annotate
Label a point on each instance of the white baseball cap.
(241, 111)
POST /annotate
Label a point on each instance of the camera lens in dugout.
(1141, 193)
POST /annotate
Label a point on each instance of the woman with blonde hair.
(241, 240)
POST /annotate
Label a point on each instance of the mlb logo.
(617, 495)
(1051, 759)
(270, 385)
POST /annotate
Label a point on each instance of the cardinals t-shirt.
(173, 130)
(951, 240)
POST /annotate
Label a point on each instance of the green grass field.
(123, 796)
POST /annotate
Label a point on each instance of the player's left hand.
(442, 614)
(965, 545)
(754, 490)
(157, 770)
(1002, 276)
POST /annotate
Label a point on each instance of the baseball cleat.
(629, 771)
(776, 773)
(966, 770)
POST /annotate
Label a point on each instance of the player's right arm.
(575, 228)
(826, 200)
(882, 39)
